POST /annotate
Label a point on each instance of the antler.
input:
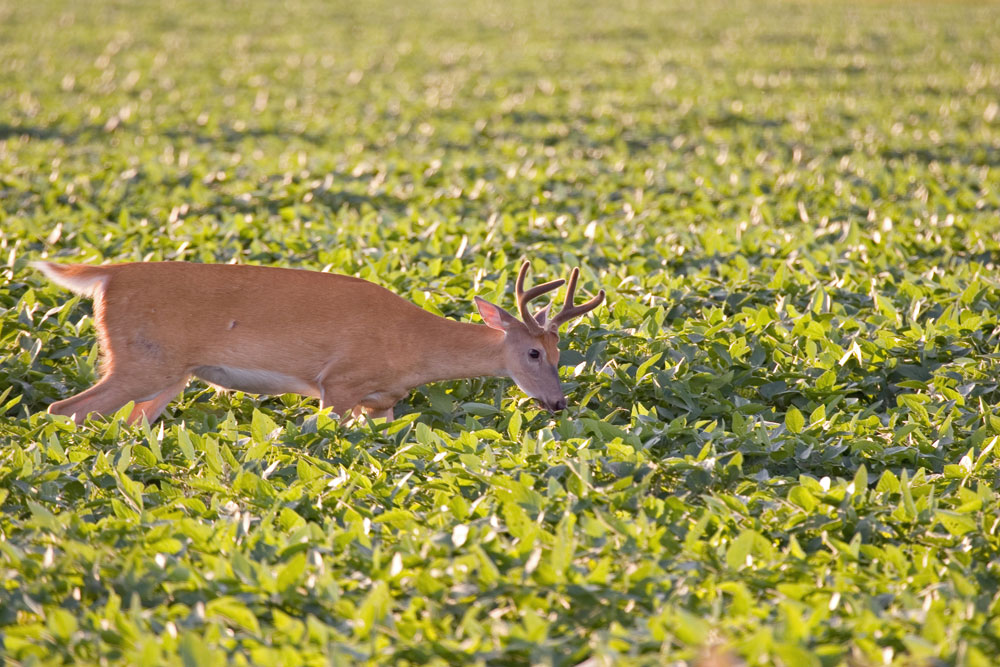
(524, 297)
(569, 311)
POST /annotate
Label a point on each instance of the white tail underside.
(89, 285)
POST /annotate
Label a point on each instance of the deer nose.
(559, 404)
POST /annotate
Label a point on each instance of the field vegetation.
(783, 427)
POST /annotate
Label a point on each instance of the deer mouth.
(553, 406)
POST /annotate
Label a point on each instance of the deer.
(355, 345)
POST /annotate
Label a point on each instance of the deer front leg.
(374, 413)
(115, 390)
(348, 402)
(338, 399)
(352, 394)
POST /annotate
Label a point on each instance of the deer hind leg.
(115, 390)
(152, 408)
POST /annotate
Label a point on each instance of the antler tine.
(569, 311)
(574, 276)
(523, 298)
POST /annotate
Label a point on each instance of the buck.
(353, 344)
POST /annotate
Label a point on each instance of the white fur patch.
(254, 381)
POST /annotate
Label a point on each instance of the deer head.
(531, 344)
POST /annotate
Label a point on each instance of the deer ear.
(494, 316)
(542, 316)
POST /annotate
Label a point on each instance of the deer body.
(351, 343)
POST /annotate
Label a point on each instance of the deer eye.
(533, 353)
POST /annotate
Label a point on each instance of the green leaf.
(794, 420)
(43, 517)
(195, 652)
(747, 544)
(955, 523)
(646, 365)
(233, 612)
(61, 623)
(803, 498)
(514, 425)
(888, 483)
(290, 574)
(688, 628)
(861, 480)
(261, 426)
(184, 443)
(131, 489)
(826, 381)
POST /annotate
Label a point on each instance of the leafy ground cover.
(783, 428)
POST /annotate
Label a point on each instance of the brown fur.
(355, 345)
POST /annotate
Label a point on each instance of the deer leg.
(371, 412)
(351, 404)
(112, 392)
(152, 408)
(350, 395)
(344, 403)
(374, 412)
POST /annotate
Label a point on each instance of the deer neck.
(455, 350)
